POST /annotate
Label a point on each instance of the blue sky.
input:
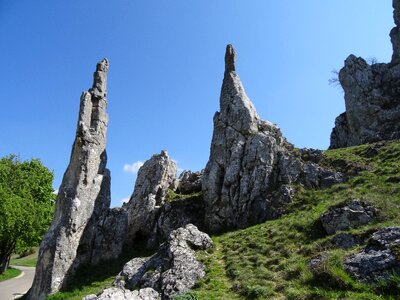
(166, 68)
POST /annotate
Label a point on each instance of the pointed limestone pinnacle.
(230, 59)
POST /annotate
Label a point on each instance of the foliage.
(26, 204)
(10, 273)
(26, 261)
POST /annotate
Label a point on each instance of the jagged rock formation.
(155, 177)
(379, 259)
(251, 167)
(346, 216)
(189, 182)
(372, 97)
(174, 269)
(82, 214)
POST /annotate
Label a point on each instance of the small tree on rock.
(26, 205)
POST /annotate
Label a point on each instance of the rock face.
(175, 214)
(351, 215)
(372, 97)
(251, 167)
(174, 269)
(82, 205)
(155, 177)
(379, 259)
(189, 182)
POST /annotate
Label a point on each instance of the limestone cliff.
(372, 97)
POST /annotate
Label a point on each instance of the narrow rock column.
(83, 196)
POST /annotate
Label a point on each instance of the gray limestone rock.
(346, 240)
(379, 259)
(115, 293)
(372, 98)
(251, 166)
(174, 269)
(189, 182)
(155, 177)
(83, 199)
(175, 214)
(351, 215)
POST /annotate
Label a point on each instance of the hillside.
(269, 261)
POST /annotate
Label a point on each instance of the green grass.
(27, 261)
(172, 196)
(10, 273)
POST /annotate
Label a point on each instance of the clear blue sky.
(166, 68)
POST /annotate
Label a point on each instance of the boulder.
(83, 200)
(346, 216)
(251, 167)
(379, 259)
(174, 269)
(114, 293)
(155, 177)
(372, 98)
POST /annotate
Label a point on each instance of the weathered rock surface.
(346, 216)
(82, 205)
(155, 177)
(251, 167)
(346, 240)
(372, 98)
(174, 269)
(379, 259)
(189, 182)
(176, 214)
(115, 293)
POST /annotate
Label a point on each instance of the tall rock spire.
(83, 198)
(251, 167)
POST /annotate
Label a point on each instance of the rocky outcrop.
(82, 205)
(379, 259)
(372, 97)
(155, 177)
(346, 216)
(189, 182)
(174, 269)
(251, 168)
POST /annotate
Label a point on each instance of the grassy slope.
(10, 273)
(268, 261)
(27, 261)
